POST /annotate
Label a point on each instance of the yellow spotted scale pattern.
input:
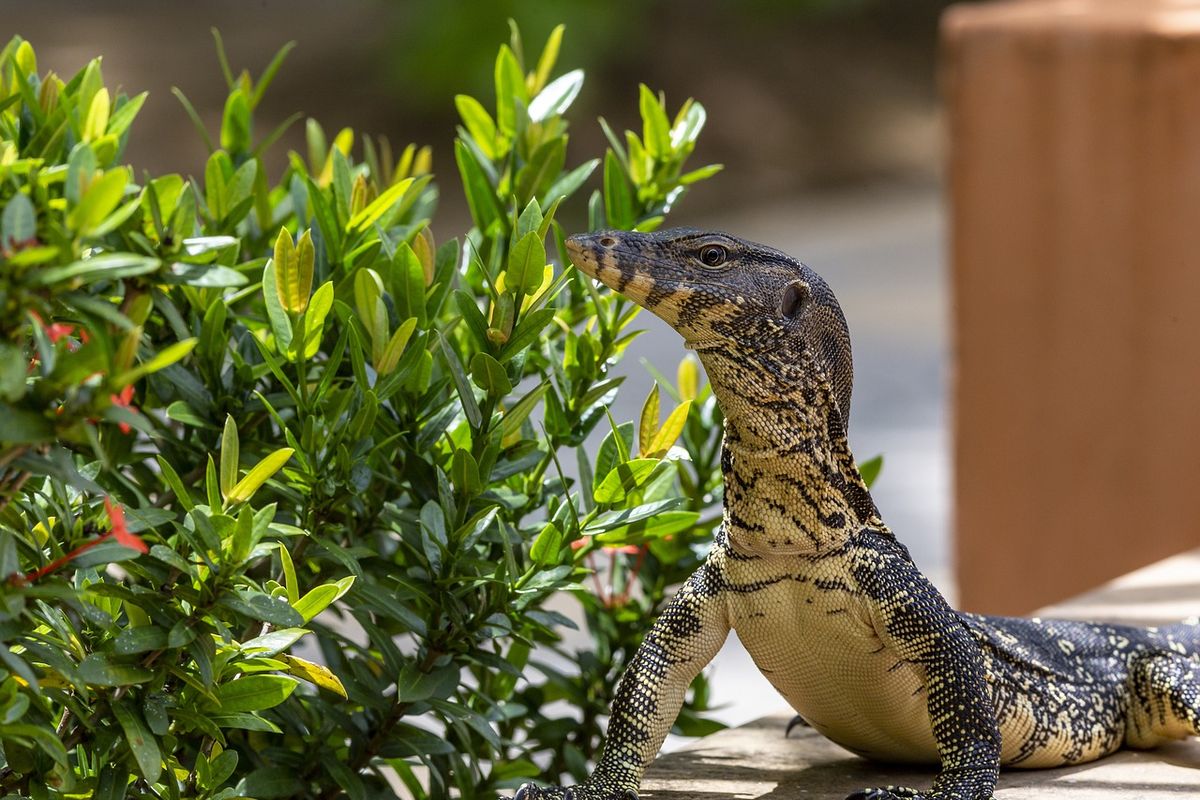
(822, 595)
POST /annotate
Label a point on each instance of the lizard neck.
(791, 484)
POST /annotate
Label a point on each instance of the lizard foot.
(529, 791)
(888, 793)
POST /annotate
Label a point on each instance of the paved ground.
(881, 249)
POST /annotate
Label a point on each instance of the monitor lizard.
(828, 603)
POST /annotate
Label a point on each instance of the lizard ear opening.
(794, 297)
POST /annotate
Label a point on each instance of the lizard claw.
(887, 793)
(796, 722)
(529, 791)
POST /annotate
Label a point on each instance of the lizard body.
(827, 602)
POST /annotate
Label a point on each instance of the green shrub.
(282, 489)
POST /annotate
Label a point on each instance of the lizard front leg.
(684, 639)
(915, 621)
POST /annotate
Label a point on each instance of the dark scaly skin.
(826, 600)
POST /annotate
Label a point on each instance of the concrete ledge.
(756, 761)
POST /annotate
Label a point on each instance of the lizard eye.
(713, 255)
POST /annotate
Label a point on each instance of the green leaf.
(256, 477)
(613, 451)
(543, 168)
(141, 741)
(520, 411)
(229, 456)
(273, 643)
(466, 395)
(618, 198)
(544, 551)
(611, 520)
(566, 185)
(281, 325)
(264, 607)
(490, 376)
(254, 693)
(623, 479)
(656, 131)
(869, 470)
(141, 639)
(110, 266)
(413, 685)
(526, 265)
(481, 197)
(663, 524)
(99, 669)
(235, 123)
(464, 472)
(19, 221)
(510, 90)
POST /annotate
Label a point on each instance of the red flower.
(116, 515)
(119, 531)
(122, 399)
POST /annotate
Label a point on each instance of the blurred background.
(824, 112)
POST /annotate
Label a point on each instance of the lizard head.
(727, 295)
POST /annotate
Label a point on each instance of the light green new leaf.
(321, 597)
(656, 131)
(229, 455)
(163, 359)
(670, 430)
(293, 270)
(256, 477)
(548, 58)
(510, 90)
(316, 674)
(648, 422)
(390, 357)
(314, 317)
(254, 693)
(623, 479)
(544, 551)
(98, 201)
(378, 207)
(479, 123)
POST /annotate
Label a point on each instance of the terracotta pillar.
(1074, 133)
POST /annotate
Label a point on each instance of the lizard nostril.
(608, 241)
